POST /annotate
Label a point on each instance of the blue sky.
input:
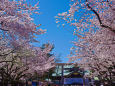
(59, 36)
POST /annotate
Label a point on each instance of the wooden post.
(62, 75)
(83, 77)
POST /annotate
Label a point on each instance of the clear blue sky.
(58, 36)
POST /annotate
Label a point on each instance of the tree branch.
(98, 17)
(5, 61)
(7, 53)
(3, 29)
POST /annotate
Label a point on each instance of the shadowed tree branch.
(98, 17)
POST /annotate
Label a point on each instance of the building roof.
(64, 64)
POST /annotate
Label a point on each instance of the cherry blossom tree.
(16, 20)
(94, 22)
(96, 53)
(18, 58)
(16, 23)
(24, 61)
(89, 15)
